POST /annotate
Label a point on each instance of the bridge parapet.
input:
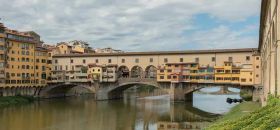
(128, 80)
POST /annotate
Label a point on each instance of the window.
(43, 61)
(36, 67)
(165, 60)
(84, 61)
(257, 75)
(243, 80)
(169, 71)
(151, 60)
(161, 71)
(43, 76)
(257, 66)
(23, 67)
(43, 68)
(123, 60)
(55, 61)
(213, 59)
(257, 58)
(247, 58)
(71, 61)
(168, 77)
(161, 77)
(136, 60)
(196, 60)
(66, 67)
(181, 59)
(37, 60)
(230, 59)
(96, 60)
(109, 60)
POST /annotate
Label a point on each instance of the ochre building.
(22, 62)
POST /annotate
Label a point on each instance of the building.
(42, 66)
(269, 46)
(23, 63)
(200, 66)
(2, 54)
(80, 46)
(107, 50)
(109, 73)
(94, 72)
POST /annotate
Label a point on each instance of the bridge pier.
(179, 92)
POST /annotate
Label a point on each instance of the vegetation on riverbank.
(14, 100)
(240, 118)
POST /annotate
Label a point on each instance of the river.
(84, 113)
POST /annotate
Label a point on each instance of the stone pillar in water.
(178, 93)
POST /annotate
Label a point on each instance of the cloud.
(138, 25)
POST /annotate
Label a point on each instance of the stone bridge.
(114, 90)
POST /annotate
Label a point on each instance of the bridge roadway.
(114, 90)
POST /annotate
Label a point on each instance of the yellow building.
(2, 54)
(247, 74)
(94, 72)
(42, 66)
(185, 72)
(63, 48)
(20, 73)
(20, 59)
(229, 73)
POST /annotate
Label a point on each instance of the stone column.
(272, 72)
(278, 68)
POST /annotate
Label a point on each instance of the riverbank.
(249, 115)
(14, 100)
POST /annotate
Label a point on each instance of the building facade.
(234, 66)
(269, 46)
(22, 63)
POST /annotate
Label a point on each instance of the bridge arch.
(61, 90)
(151, 72)
(123, 72)
(117, 92)
(136, 72)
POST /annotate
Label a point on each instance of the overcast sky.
(139, 25)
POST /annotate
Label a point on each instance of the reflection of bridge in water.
(185, 116)
(221, 91)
